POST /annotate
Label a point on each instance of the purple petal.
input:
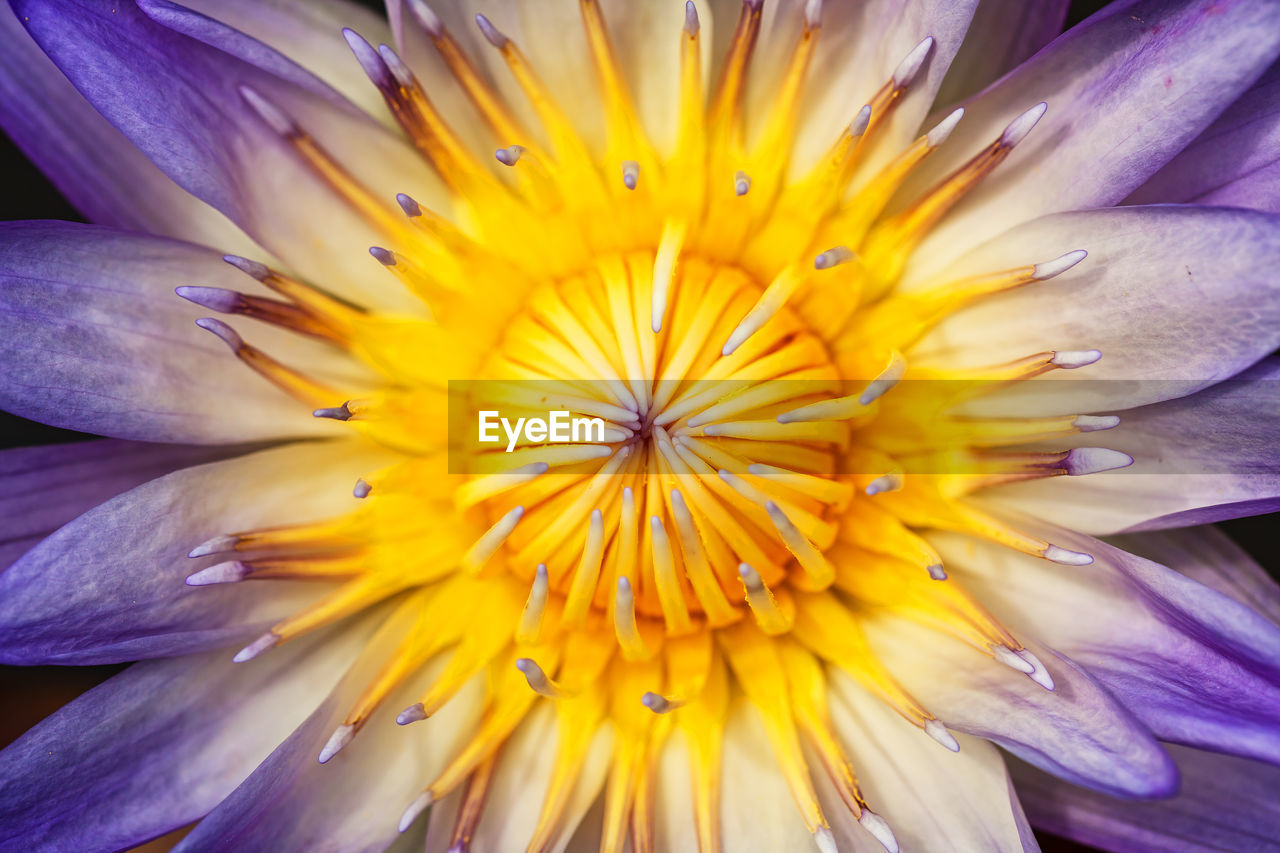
(1235, 162)
(1194, 665)
(1226, 803)
(171, 80)
(1003, 35)
(110, 586)
(95, 340)
(945, 801)
(157, 746)
(1202, 458)
(1077, 731)
(90, 162)
(309, 32)
(1175, 297)
(291, 802)
(1208, 555)
(42, 488)
(1127, 90)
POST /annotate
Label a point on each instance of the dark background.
(28, 694)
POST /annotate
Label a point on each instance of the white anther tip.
(1058, 266)
(248, 267)
(491, 33)
(427, 17)
(228, 572)
(937, 572)
(833, 257)
(825, 841)
(225, 333)
(1064, 557)
(412, 714)
(256, 648)
(416, 808)
(1022, 125)
(630, 174)
(1011, 659)
(813, 14)
(879, 830)
(655, 703)
(938, 732)
(741, 183)
(943, 129)
(1071, 359)
(860, 122)
(213, 298)
(884, 483)
(216, 545)
(1096, 423)
(1038, 673)
(274, 117)
(691, 23)
(1092, 460)
(341, 736)
(510, 155)
(909, 67)
(362, 489)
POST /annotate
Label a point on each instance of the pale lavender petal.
(1195, 666)
(1226, 803)
(1203, 458)
(90, 162)
(1077, 730)
(1175, 298)
(42, 488)
(1127, 90)
(157, 746)
(1211, 557)
(310, 33)
(1235, 162)
(110, 586)
(94, 339)
(291, 802)
(172, 80)
(1003, 35)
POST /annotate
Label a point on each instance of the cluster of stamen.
(740, 334)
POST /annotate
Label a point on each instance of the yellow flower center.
(759, 484)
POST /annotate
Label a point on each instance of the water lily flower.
(927, 344)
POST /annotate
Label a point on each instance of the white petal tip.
(1022, 125)
(416, 808)
(1092, 460)
(341, 736)
(938, 732)
(1064, 557)
(1058, 266)
(879, 830)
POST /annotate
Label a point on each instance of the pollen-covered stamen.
(534, 609)
(769, 614)
(487, 545)
(538, 680)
